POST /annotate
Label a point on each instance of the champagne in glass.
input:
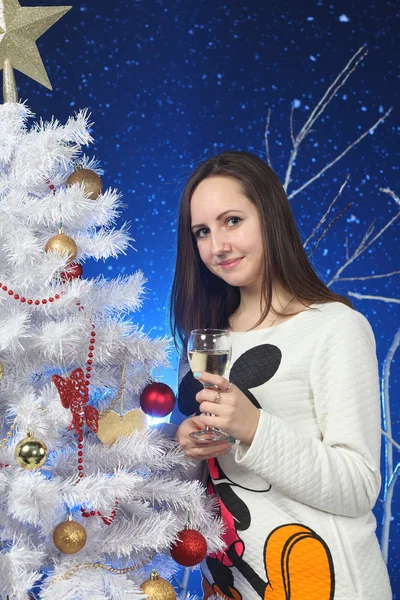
(211, 362)
(209, 350)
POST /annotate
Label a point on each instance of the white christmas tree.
(90, 499)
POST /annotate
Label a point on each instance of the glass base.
(208, 435)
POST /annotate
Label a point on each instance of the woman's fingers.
(198, 451)
(210, 379)
(207, 451)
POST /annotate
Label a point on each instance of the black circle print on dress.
(255, 367)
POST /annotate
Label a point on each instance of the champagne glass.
(209, 350)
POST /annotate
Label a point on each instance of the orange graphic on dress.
(298, 565)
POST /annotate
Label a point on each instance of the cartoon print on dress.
(253, 368)
(236, 517)
(297, 561)
(298, 565)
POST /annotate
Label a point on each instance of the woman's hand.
(231, 410)
(198, 451)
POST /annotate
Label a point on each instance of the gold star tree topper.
(19, 30)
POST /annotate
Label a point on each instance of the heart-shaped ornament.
(112, 425)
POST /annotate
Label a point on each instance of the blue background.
(170, 83)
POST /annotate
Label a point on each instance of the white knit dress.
(297, 502)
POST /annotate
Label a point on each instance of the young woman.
(301, 400)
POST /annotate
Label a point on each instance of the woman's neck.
(252, 305)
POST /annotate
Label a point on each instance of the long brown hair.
(200, 299)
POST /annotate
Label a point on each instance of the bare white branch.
(328, 210)
(366, 297)
(320, 107)
(291, 125)
(334, 88)
(340, 156)
(363, 246)
(392, 194)
(266, 138)
(327, 228)
(387, 426)
(381, 276)
(391, 440)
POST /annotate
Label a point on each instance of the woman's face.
(227, 229)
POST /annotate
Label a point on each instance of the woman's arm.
(339, 473)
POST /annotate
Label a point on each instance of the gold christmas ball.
(158, 588)
(63, 244)
(69, 537)
(92, 184)
(30, 453)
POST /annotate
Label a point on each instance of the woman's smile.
(230, 263)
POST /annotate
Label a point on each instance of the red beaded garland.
(106, 520)
(22, 299)
(87, 382)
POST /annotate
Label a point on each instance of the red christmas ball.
(190, 549)
(73, 271)
(157, 400)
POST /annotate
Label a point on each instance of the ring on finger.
(229, 387)
(217, 398)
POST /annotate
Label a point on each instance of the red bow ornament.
(74, 394)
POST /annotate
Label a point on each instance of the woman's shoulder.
(340, 316)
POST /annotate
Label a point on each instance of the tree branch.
(325, 231)
(382, 298)
(340, 156)
(291, 126)
(363, 246)
(392, 194)
(320, 107)
(328, 210)
(391, 440)
(266, 138)
(367, 277)
(387, 427)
